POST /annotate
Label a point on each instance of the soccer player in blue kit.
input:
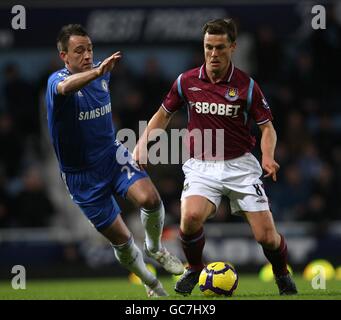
(94, 165)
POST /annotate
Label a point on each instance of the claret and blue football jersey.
(231, 105)
(80, 124)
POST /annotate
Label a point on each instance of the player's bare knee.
(267, 240)
(191, 220)
(149, 200)
(116, 233)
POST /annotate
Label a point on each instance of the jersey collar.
(227, 78)
(67, 71)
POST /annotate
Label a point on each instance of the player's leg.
(101, 209)
(106, 218)
(247, 196)
(134, 184)
(131, 182)
(130, 256)
(144, 194)
(200, 199)
(274, 248)
(265, 233)
(195, 210)
(126, 252)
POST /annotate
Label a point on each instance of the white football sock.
(130, 256)
(153, 221)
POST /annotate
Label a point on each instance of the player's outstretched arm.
(160, 120)
(79, 80)
(268, 145)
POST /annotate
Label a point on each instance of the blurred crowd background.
(299, 76)
(298, 73)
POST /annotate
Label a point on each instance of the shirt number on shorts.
(129, 173)
(258, 189)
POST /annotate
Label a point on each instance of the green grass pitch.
(249, 288)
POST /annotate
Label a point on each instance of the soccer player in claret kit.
(94, 165)
(220, 96)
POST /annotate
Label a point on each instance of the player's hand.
(271, 167)
(108, 64)
(140, 158)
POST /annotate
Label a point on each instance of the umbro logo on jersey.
(194, 89)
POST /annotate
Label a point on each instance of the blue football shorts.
(93, 190)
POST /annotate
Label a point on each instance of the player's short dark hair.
(221, 26)
(66, 32)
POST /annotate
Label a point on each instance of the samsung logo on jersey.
(96, 113)
(220, 109)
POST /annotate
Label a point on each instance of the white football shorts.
(238, 179)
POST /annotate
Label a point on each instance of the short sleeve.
(174, 99)
(260, 110)
(54, 80)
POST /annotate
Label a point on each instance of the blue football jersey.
(80, 124)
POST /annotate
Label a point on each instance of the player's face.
(218, 52)
(79, 56)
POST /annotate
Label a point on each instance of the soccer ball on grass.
(218, 279)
